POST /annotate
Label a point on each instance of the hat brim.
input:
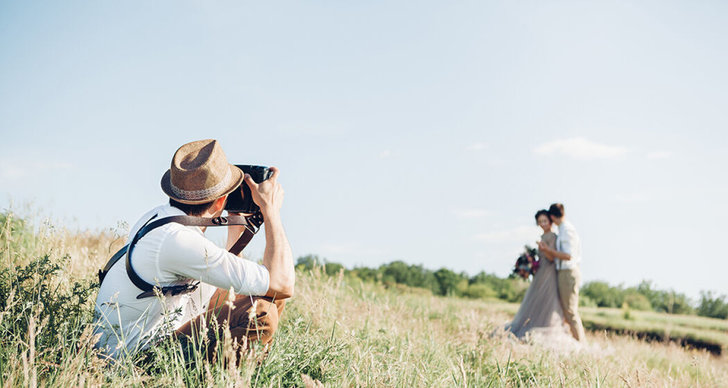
(236, 181)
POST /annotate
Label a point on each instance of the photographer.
(199, 273)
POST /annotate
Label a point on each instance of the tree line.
(483, 285)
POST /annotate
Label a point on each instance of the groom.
(568, 257)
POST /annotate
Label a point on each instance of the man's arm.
(548, 256)
(552, 253)
(566, 242)
(186, 253)
(277, 257)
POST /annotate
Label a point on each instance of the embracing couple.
(552, 299)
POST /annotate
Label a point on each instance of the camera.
(243, 202)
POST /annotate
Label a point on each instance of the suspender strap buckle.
(220, 221)
(180, 289)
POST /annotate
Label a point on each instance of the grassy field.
(688, 330)
(335, 332)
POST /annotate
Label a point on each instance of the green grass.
(689, 330)
(336, 330)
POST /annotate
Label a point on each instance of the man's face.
(555, 220)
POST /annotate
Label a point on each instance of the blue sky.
(424, 131)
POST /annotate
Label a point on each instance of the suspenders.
(252, 225)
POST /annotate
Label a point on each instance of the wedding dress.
(540, 317)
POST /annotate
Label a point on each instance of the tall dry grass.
(337, 331)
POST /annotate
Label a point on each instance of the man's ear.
(220, 203)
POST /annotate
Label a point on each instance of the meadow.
(336, 331)
(689, 331)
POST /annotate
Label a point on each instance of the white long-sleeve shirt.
(168, 255)
(568, 242)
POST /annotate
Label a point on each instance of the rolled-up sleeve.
(191, 255)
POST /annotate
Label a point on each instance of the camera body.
(243, 202)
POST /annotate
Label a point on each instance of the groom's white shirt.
(568, 242)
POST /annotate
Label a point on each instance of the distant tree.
(603, 294)
(308, 262)
(712, 306)
(331, 268)
(658, 299)
(366, 274)
(669, 302)
(447, 282)
(411, 275)
(679, 303)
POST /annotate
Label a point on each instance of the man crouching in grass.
(197, 183)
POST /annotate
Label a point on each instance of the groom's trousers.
(569, 280)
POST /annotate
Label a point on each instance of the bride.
(540, 314)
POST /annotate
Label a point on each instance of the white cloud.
(580, 148)
(470, 213)
(385, 154)
(517, 235)
(659, 155)
(477, 147)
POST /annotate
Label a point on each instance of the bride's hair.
(542, 212)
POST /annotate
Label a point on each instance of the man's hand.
(551, 253)
(547, 252)
(268, 195)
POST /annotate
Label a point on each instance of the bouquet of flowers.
(527, 263)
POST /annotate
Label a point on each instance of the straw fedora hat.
(200, 173)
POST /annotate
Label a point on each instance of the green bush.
(508, 289)
(35, 290)
(637, 301)
(479, 291)
(603, 294)
(366, 274)
(642, 297)
(585, 301)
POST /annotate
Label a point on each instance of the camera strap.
(252, 224)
